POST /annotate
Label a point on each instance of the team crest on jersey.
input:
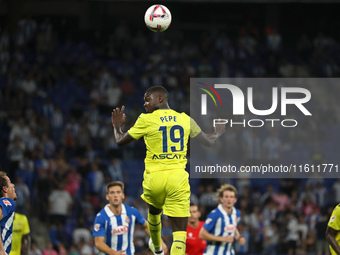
(120, 230)
(230, 228)
(332, 218)
(207, 221)
(96, 227)
(127, 220)
(6, 202)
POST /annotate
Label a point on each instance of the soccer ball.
(157, 18)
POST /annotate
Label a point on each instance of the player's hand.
(118, 117)
(229, 239)
(219, 128)
(242, 240)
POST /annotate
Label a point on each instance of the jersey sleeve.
(194, 128)
(26, 226)
(334, 221)
(139, 128)
(139, 218)
(8, 206)
(210, 222)
(99, 226)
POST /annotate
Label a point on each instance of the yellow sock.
(178, 244)
(155, 227)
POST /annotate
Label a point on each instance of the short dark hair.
(193, 204)
(3, 183)
(113, 184)
(158, 89)
(197, 205)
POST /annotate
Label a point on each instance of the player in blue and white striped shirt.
(7, 207)
(220, 227)
(114, 225)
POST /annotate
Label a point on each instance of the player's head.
(115, 193)
(6, 187)
(156, 98)
(113, 184)
(195, 213)
(227, 195)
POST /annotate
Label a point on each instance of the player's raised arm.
(210, 139)
(118, 119)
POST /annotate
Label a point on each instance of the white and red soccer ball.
(157, 18)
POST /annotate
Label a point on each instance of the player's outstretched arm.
(100, 244)
(205, 235)
(330, 236)
(210, 139)
(118, 119)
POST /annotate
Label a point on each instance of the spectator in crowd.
(81, 233)
(336, 190)
(271, 239)
(115, 170)
(34, 250)
(320, 229)
(59, 205)
(292, 236)
(49, 250)
(20, 129)
(23, 201)
(15, 150)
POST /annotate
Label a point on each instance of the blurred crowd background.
(59, 81)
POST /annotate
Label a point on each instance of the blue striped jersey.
(6, 223)
(118, 229)
(220, 223)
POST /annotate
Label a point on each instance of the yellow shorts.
(168, 190)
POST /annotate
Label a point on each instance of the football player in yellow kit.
(21, 238)
(166, 183)
(333, 231)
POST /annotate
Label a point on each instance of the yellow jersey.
(334, 223)
(20, 228)
(166, 134)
